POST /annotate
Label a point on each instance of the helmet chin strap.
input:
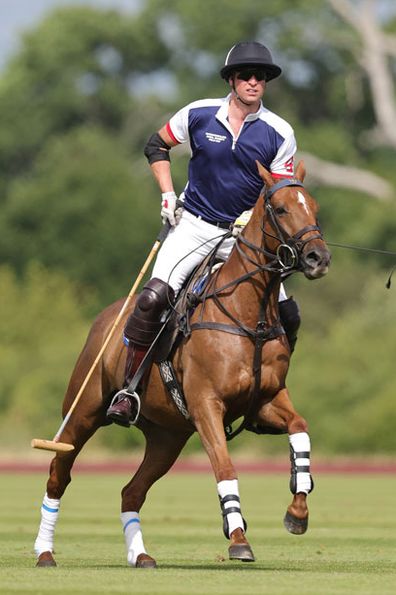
(237, 96)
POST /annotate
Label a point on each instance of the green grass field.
(350, 546)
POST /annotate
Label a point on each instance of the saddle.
(177, 325)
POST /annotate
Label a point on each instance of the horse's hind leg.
(56, 485)
(162, 449)
(281, 415)
(77, 432)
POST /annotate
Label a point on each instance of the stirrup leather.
(133, 397)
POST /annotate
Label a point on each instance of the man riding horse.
(235, 360)
(227, 136)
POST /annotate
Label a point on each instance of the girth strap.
(269, 333)
(218, 326)
(263, 333)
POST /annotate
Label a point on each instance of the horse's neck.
(262, 289)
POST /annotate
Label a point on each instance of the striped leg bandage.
(49, 515)
(230, 506)
(300, 451)
(133, 536)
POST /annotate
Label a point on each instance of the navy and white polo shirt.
(223, 179)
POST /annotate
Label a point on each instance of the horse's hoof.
(241, 551)
(145, 561)
(45, 560)
(295, 525)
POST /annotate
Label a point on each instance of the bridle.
(287, 256)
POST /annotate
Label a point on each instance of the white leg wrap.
(133, 536)
(226, 489)
(300, 450)
(49, 515)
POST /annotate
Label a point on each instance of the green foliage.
(339, 141)
(84, 197)
(348, 389)
(41, 333)
(74, 68)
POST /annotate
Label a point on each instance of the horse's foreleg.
(281, 415)
(208, 419)
(163, 446)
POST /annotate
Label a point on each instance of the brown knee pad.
(145, 322)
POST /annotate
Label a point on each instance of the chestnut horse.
(233, 364)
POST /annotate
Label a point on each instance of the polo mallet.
(54, 444)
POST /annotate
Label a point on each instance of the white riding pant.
(185, 247)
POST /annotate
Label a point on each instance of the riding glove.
(171, 211)
(240, 222)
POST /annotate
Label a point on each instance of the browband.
(281, 184)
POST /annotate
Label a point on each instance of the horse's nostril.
(313, 257)
(317, 258)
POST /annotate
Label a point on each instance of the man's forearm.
(162, 173)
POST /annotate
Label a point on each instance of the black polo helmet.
(249, 54)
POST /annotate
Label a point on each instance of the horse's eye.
(280, 211)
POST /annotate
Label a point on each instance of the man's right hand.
(240, 222)
(170, 211)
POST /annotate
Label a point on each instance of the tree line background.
(80, 210)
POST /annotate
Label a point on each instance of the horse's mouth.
(315, 264)
(312, 273)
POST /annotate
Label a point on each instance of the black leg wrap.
(145, 322)
(227, 511)
(290, 318)
(298, 469)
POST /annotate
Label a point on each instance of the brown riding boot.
(125, 407)
(140, 331)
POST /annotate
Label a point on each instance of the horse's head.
(291, 227)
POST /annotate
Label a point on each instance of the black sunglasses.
(246, 75)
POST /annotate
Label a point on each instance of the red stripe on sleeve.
(169, 131)
(281, 176)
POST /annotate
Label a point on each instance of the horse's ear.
(300, 171)
(265, 175)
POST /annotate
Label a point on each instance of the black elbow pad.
(156, 149)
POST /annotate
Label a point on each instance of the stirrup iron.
(133, 397)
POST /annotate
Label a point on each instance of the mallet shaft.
(54, 444)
